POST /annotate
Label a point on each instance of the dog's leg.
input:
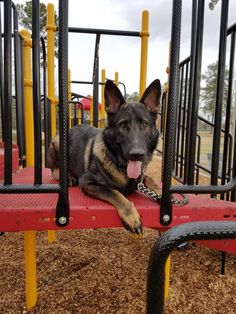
(126, 210)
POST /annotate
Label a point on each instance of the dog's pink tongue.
(134, 169)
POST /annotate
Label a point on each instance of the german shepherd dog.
(108, 163)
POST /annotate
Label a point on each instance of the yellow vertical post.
(103, 113)
(91, 112)
(144, 52)
(79, 113)
(51, 28)
(167, 277)
(69, 98)
(30, 269)
(28, 92)
(29, 236)
(116, 78)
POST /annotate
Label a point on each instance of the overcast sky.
(122, 54)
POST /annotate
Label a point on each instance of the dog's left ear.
(113, 97)
(151, 96)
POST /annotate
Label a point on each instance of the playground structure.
(57, 206)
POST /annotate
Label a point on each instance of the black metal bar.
(46, 104)
(95, 81)
(1, 80)
(219, 93)
(62, 210)
(18, 91)
(231, 29)
(195, 92)
(103, 32)
(223, 260)
(166, 208)
(8, 92)
(29, 188)
(185, 61)
(23, 158)
(198, 157)
(183, 135)
(204, 189)
(179, 122)
(217, 230)
(36, 93)
(82, 82)
(191, 87)
(228, 109)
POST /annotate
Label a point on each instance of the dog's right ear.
(113, 97)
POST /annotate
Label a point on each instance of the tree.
(25, 19)
(208, 91)
(134, 97)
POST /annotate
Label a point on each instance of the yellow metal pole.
(28, 85)
(30, 269)
(144, 52)
(91, 112)
(69, 98)
(51, 29)
(167, 277)
(116, 78)
(103, 113)
(29, 236)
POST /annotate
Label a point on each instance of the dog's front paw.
(131, 220)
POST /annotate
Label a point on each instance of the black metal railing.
(62, 215)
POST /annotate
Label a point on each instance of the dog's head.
(131, 133)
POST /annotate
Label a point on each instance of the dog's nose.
(136, 154)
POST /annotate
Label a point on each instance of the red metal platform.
(21, 212)
(15, 159)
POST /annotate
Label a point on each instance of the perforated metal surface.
(37, 211)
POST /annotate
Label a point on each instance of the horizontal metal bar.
(86, 82)
(204, 189)
(97, 31)
(29, 188)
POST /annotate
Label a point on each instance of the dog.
(108, 163)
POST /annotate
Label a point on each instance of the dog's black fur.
(99, 158)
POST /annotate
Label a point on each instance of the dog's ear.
(151, 96)
(113, 97)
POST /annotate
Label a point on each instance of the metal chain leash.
(157, 197)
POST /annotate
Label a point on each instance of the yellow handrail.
(144, 52)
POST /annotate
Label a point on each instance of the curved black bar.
(208, 230)
(62, 210)
(166, 209)
(36, 93)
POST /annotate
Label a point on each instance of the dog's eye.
(123, 124)
(145, 123)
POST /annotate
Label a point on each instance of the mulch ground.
(104, 271)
